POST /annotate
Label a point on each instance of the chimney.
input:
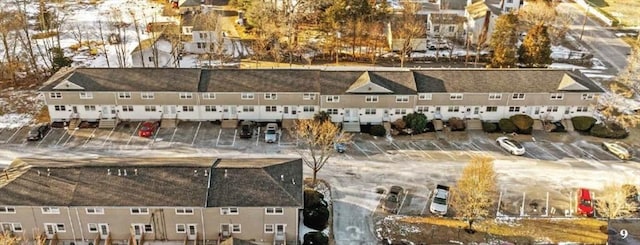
(195, 172)
(135, 171)
(282, 177)
(206, 173)
(108, 171)
(48, 173)
(125, 172)
(119, 172)
(225, 173)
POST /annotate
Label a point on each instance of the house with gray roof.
(351, 97)
(195, 200)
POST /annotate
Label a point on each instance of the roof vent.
(225, 173)
(135, 171)
(119, 172)
(293, 181)
(206, 173)
(125, 172)
(108, 171)
(282, 177)
(48, 172)
(38, 172)
(195, 172)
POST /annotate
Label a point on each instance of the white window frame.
(422, 109)
(370, 111)
(56, 227)
(556, 96)
(150, 108)
(266, 229)
(332, 111)
(188, 108)
(14, 227)
(147, 96)
(425, 96)
(50, 210)
(271, 108)
(454, 108)
(89, 108)
(495, 96)
(582, 109)
(248, 108)
(186, 96)
(86, 95)
(402, 99)
(210, 108)
(247, 96)
(60, 108)
(333, 98)
(552, 108)
(486, 109)
(8, 210)
(400, 111)
(229, 211)
(308, 96)
(270, 96)
(184, 211)
(274, 211)
(94, 229)
(55, 95)
(127, 108)
(140, 211)
(234, 226)
(124, 95)
(456, 96)
(518, 96)
(94, 210)
(181, 228)
(588, 96)
(308, 108)
(147, 228)
(371, 99)
(208, 96)
(514, 108)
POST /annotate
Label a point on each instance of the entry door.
(74, 109)
(476, 110)
(280, 228)
(50, 230)
(138, 229)
(350, 115)
(106, 112)
(230, 112)
(169, 111)
(225, 229)
(192, 231)
(104, 230)
(536, 110)
(289, 112)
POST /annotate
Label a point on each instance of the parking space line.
(66, 132)
(442, 150)
(424, 153)
(546, 152)
(384, 153)
(404, 198)
(196, 134)
(218, 139)
(84, 145)
(173, 135)
(589, 161)
(463, 150)
(108, 136)
(70, 136)
(235, 132)
(14, 134)
(45, 136)
(133, 133)
(429, 192)
(361, 150)
(401, 151)
(257, 137)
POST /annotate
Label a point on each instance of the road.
(598, 39)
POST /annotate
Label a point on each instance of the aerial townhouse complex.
(350, 97)
(132, 200)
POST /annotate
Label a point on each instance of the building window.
(436, 28)
(557, 96)
(517, 96)
(422, 109)
(8, 210)
(308, 108)
(139, 211)
(59, 108)
(514, 108)
(371, 99)
(181, 228)
(148, 228)
(200, 45)
(587, 96)
(452, 28)
(248, 108)
(272, 108)
(273, 211)
(455, 96)
(453, 109)
(210, 108)
(247, 96)
(184, 211)
(15, 227)
(402, 99)
(185, 96)
(95, 210)
(332, 111)
(147, 96)
(552, 108)
(229, 211)
(370, 111)
(400, 112)
(423, 96)
(270, 96)
(93, 227)
(187, 108)
(333, 98)
(209, 96)
(150, 58)
(308, 96)
(235, 228)
(55, 95)
(60, 228)
(491, 109)
(495, 96)
(86, 95)
(124, 95)
(127, 108)
(150, 108)
(268, 228)
(50, 210)
(582, 109)
(89, 108)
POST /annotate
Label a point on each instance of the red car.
(585, 204)
(148, 129)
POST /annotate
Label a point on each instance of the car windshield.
(392, 198)
(586, 202)
(33, 131)
(514, 143)
(271, 132)
(441, 201)
(145, 128)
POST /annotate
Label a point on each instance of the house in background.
(153, 200)
(153, 52)
(477, 12)
(187, 6)
(444, 25)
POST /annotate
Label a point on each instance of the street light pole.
(584, 21)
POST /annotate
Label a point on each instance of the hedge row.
(521, 124)
(603, 130)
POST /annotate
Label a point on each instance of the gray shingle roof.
(497, 80)
(159, 182)
(279, 80)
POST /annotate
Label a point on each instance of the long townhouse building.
(128, 201)
(349, 96)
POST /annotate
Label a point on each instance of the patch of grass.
(624, 11)
(42, 116)
(44, 35)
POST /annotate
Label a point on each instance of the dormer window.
(55, 95)
(424, 96)
(455, 96)
(371, 99)
(270, 96)
(86, 95)
(333, 98)
(517, 96)
(557, 96)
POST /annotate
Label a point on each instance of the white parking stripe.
(424, 153)
(404, 198)
(196, 134)
(218, 139)
(401, 151)
(384, 153)
(361, 150)
(173, 135)
(545, 151)
(427, 203)
(235, 133)
(133, 134)
(108, 136)
(45, 136)
(443, 151)
(13, 135)
(84, 145)
(70, 136)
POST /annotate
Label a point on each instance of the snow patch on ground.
(14, 120)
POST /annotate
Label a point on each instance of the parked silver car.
(271, 133)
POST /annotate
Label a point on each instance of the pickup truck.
(440, 200)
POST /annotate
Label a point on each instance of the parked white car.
(512, 146)
(440, 200)
(618, 149)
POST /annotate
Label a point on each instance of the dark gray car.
(393, 199)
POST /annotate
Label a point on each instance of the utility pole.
(584, 22)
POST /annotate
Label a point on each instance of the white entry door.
(230, 112)
(104, 230)
(50, 230)
(351, 115)
(169, 111)
(106, 112)
(290, 112)
(225, 229)
(192, 231)
(138, 229)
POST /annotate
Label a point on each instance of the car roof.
(395, 188)
(585, 194)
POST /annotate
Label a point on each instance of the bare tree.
(134, 17)
(318, 137)
(25, 36)
(475, 191)
(104, 44)
(408, 27)
(119, 33)
(613, 106)
(614, 202)
(79, 33)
